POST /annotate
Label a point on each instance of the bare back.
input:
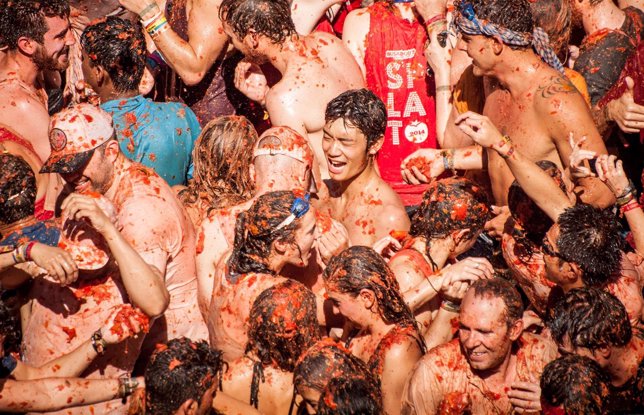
(323, 69)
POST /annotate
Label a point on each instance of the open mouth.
(335, 167)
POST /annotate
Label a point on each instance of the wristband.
(97, 342)
(127, 385)
(158, 26)
(148, 8)
(509, 153)
(450, 306)
(633, 204)
(448, 160)
(623, 200)
(19, 254)
(438, 17)
(628, 190)
(30, 245)
(446, 88)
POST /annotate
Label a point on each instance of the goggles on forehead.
(299, 208)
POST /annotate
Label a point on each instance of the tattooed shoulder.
(556, 85)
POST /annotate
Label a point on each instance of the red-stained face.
(242, 46)
(304, 238)
(310, 398)
(483, 332)
(553, 263)
(350, 307)
(95, 176)
(345, 149)
(53, 54)
(479, 49)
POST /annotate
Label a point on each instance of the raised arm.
(206, 37)
(354, 35)
(536, 183)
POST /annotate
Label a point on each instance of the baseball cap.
(74, 134)
(284, 141)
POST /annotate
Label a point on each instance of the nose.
(470, 340)
(333, 149)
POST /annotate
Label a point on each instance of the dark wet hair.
(282, 326)
(361, 109)
(590, 318)
(255, 232)
(555, 18)
(450, 205)
(324, 361)
(26, 18)
(350, 396)
(531, 223)
(17, 189)
(181, 370)
(360, 268)
(118, 46)
(222, 157)
(10, 329)
(270, 18)
(503, 289)
(575, 383)
(515, 15)
(590, 237)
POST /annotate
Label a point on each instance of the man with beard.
(37, 37)
(492, 368)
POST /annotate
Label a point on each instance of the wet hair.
(590, 318)
(270, 18)
(360, 268)
(282, 326)
(555, 18)
(503, 289)
(181, 370)
(515, 15)
(222, 158)
(349, 396)
(324, 361)
(17, 189)
(531, 223)
(590, 237)
(449, 205)
(361, 109)
(26, 18)
(118, 46)
(255, 232)
(10, 329)
(575, 383)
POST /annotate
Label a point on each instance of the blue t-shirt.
(159, 135)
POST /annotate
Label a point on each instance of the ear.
(101, 75)
(252, 39)
(516, 329)
(367, 297)
(27, 45)
(112, 150)
(602, 352)
(280, 246)
(497, 45)
(574, 270)
(376, 146)
(189, 407)
(459, 236)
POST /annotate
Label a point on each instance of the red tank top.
(397, 72)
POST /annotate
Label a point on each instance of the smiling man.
(37, 38)
(492, 368)
(358, 197)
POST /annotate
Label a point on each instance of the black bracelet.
(97, 342)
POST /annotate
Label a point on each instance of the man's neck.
(112, 94)
(22, 66)
(280, 55)
(440, 250)
(605, 15)
(624, 361)
(514, 74)
(504, 374)
(348, 189)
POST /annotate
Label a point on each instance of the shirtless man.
(358, 197)
(594, 324)
(491, 368)
(317, 65)
(37, 36)
(160, 241)
(534, 104)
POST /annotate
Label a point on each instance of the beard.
(46, 62)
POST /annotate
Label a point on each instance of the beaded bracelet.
(98, 343)
(633, 204)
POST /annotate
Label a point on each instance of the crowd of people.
(321, 207)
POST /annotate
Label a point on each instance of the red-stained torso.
(275, 393)
(230, 308)
(444, 372)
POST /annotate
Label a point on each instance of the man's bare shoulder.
(554, 92)
(16, 99)
(358, 16)
(442, 358)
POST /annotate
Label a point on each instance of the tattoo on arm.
(556, 85)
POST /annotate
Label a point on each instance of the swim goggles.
(299, 208)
